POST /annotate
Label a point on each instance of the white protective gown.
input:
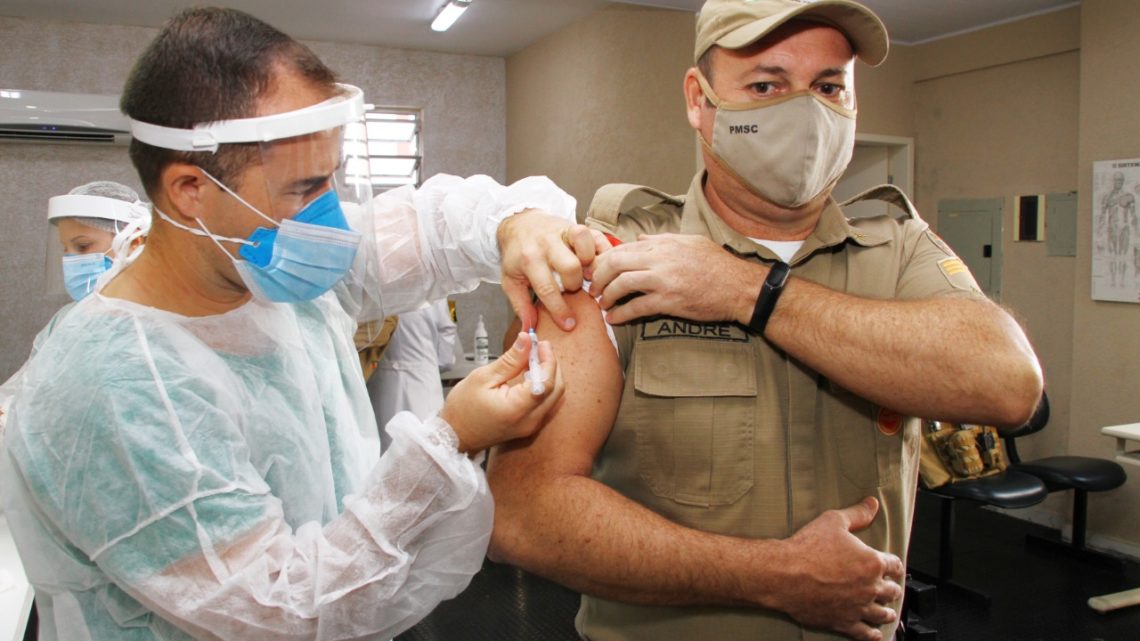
(220, 477)
(407, 378)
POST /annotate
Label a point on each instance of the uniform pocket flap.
(694, 367)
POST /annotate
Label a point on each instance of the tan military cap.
(733, 24)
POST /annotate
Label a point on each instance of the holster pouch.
(953, 453)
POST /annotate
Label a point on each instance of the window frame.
(382, 182)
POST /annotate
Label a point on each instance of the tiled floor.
(1037, 596)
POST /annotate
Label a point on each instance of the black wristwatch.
(769, 294)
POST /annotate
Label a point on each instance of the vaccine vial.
(481, 343)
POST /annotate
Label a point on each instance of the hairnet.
(106, 189)
(103, 224)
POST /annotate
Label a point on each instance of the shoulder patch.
(958, 274)
(952, 266)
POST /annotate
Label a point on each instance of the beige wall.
(1106, 345)
(600, 101)
(999, 127)
(463, 98)
(1027, 108)
(886, 95)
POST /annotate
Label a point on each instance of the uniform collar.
(698, 217)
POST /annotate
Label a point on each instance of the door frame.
(900, 158)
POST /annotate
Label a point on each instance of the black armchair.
(1082, 474)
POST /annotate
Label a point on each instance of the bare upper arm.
(578, 426)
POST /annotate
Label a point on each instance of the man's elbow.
(507, 530)
(1016, 402)
(1015, 383)
(496, 551)
(507, 537)
(500, 551)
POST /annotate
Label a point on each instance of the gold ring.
(566, 237)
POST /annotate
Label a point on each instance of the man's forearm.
(944, 358)
(580, 533)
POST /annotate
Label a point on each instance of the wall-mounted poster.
(1116, 231)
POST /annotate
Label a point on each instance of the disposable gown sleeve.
(225, 565)
(424, 244)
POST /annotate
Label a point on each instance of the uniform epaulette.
(610, 201)
(889, 194)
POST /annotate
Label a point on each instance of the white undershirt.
(784, 249)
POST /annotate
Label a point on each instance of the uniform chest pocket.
(694, 413)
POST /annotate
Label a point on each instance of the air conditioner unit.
(54, 117)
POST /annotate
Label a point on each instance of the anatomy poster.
(1116, 231)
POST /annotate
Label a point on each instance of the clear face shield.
(89, 240)
(309, 198)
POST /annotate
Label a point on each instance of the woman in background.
(101, 227)
(96, 223)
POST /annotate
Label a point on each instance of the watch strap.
(769, 293)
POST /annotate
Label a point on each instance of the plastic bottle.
(481, 343)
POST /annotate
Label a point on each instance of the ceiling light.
(449, 14)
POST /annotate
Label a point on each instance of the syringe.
(534, 372)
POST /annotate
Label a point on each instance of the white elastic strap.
(334, 112)
(124, 255)
(121, 244)
(203, 232)
(239, 198)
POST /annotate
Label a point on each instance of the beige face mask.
(786, 150)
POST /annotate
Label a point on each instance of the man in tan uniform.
(761, 470)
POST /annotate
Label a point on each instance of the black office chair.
(1082, 474)
(1011, 489)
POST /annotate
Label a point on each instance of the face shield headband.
(120, 211)
(329, 114)
(295, 146)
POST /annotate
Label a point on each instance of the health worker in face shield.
(192, 453)
(97, 223)
(99, 228)
(754, 436)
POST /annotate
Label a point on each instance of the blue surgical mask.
(304, 257)
(299, 259)
(80, 271)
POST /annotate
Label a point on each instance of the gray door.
(972, 228)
